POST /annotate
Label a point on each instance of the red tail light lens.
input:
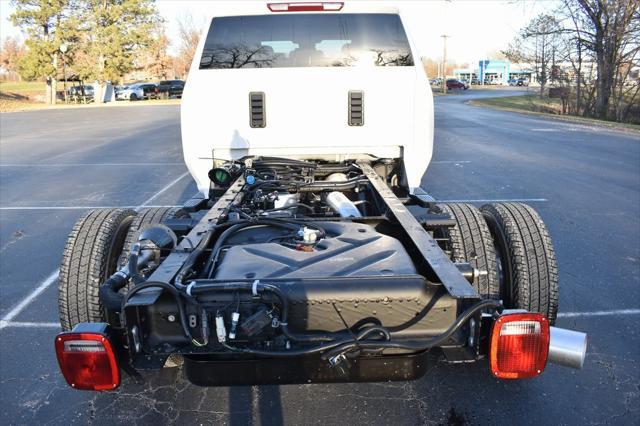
(306, 7)
(519, 346)
(87, 361)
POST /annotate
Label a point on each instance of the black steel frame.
(172, 264)
(442, 267)
(442, 271)
(437, 261)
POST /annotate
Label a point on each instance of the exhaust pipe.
(342, 205)
(567, 347)
(339, 202)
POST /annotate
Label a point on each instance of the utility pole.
(444, 65)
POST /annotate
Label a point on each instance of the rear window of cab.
(307, 40)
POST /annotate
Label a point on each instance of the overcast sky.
(476, 27)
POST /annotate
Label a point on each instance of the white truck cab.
(326, 81)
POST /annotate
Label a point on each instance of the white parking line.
(162, 191)
(78, 207)
(88, 164)
(23, 324)
(618, 312)
(15, 311)
(506, 200)
(30, 298)
(451, 162)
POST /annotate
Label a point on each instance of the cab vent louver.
(356, 108)
(257, 115)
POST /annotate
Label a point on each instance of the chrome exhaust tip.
(567, 347)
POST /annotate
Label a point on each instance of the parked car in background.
(169, 88)
(81, 94)
(150, 90)
(133, 92)
(522, 81)
(454, 83)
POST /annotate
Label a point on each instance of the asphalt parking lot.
(585, 182)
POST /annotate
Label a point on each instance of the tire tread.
(85, 264)
(471, 242)
(531, 257)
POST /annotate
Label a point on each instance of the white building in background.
(500, 72)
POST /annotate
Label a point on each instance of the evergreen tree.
(48, 24)
(115, 32)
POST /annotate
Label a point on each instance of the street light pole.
(444, 65)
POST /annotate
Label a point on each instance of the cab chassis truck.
(303, 260)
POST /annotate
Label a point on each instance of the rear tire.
(90, 257)
(529, 269)
(470, 241)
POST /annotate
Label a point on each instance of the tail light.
(87, 359)
(519, 345)
(306, 7)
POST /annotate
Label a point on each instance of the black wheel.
(529, 272)
(470, 241)
(133, 97)
(90, 257)
(145, 218)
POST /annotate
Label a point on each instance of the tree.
(496, 55)
(189, 39)
(114, 32)
(537, 45)
(11, 53)
(574, 54)
(156, 60)
(610, 30)
(46, 23)
(431, 67)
